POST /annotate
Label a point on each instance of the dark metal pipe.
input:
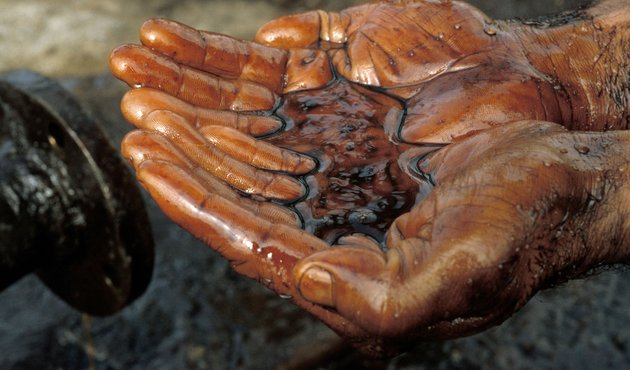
(69, 208)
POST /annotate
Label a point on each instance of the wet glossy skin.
(343, 105)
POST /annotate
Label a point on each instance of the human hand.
(455, 76)
(191, 165)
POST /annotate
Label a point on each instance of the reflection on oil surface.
(359, 186)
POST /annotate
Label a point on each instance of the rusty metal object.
(69, 210)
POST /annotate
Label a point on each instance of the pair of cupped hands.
(261, 148)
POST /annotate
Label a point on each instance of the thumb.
(362, 284)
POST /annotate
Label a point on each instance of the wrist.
(582, 222)
(611, 220)
(610, 12)
(598, 232)
(583, 55)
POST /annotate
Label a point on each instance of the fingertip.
(134, 106)
(139, 66)
(139, 146)
(291, 31)
(149, 30)
(119, 61)
(129, 148)
(261, 125)
(156, 32)
(170, 184)
(173, 39)
(153, 174)
(285, 188)
(306, 165)
(252, 97)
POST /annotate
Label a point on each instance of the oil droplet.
(458, 26)
(285, 296)
(491, 31)
(440, 36)
(137, 86)
(52, 141)
(308, 60)
(411, 53)
(582, 149)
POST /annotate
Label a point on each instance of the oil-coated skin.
(281, 154)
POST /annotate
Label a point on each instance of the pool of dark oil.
(358, 185)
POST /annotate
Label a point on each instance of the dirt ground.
(197, 313)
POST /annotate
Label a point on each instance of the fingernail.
(316, 286)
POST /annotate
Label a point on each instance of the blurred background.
(197, 313)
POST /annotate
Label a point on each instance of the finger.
(356, 282)
(138, 103)
(291, 31)
(238, 174)
(258, 153)
(256, 247)
(140, 67)
(401, 292)
(139, 146)
(215, 53)
(308, 30)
